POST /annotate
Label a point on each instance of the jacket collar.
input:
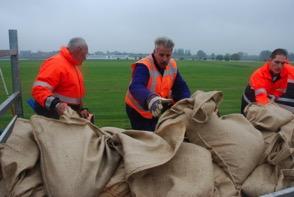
(68, 56)
(267, 72)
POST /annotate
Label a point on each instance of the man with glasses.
(60, 84)
(268, 82)
(155, 85)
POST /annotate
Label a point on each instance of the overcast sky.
(215, 26)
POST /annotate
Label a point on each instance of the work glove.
(157, 105)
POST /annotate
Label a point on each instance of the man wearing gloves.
(60, 84)
(155, 85)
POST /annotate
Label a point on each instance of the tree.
(179, 52)
(201, 55)
(264, 55)
(187, 52)
(219, 57)
(212, 56)
(235, 56)
(227, 57)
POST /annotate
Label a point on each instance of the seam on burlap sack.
(220, 162)
(42, 159)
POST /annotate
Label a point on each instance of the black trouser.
(140, 123)
(247, 97)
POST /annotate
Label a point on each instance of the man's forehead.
(163, 48)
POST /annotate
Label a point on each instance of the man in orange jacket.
(155, 85)
(60, 84)
(268, 82)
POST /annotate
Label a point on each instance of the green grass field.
(107, 81)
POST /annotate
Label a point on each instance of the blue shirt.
(138, 86)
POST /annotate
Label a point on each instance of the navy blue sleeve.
(180, 89)
(139, 83)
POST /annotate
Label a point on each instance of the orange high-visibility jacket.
(157, 83)
(288, 97)
(59, 77)
(261, 82)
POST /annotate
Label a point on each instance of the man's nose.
(165, 58)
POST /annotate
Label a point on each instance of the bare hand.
(84, 113)
(60, 108)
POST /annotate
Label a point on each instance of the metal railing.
(15, 99)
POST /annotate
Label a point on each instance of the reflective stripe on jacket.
(157, 83)
(264, 87)
(59, 77)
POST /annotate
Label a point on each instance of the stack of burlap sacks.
(193, 152)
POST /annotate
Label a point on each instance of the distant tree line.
(183, 54)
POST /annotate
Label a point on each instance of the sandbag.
(276, 172)
(223, 185)
(268, 117)
(236, 146)
(262, 180)
(266, 179)
(142, 150)
(281, 149)
(286, 179)
(19, 164)
(188, 173)
(3, 190)
(287, 107)
(77, 158)
(117, 185)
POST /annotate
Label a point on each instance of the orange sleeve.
(259, 84)
(49, 74)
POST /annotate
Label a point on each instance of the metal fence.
(14, 101)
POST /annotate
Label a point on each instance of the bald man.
(60, 84)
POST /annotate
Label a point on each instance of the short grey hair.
(164, 41)
(75, 43)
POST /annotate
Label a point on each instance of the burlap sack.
(223, 185)
(117, 185)
(277, 173)
(236, 146)
(281, 149)
(268, 117)
(188, 173)
(145, 151)
(262, 180)
(287, 107)
(77, 158)
(269, 139)
(3, 190)
(19, 158)
(266, 179)
(286, 179)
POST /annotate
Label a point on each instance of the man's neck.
(161, 70)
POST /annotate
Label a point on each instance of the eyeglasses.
(279, 62)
